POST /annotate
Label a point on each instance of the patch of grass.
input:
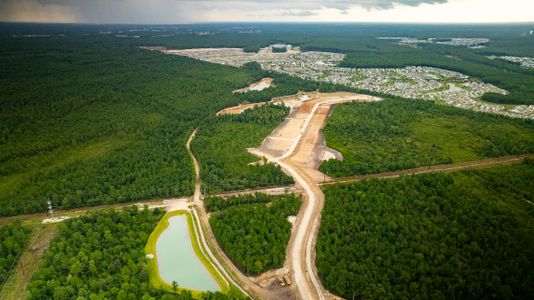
(15, 287)
(453, 136)
(398, 134)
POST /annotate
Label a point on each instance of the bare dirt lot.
(256, 86)
(298, 147)
(300, 134)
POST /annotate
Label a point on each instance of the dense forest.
(221, 143)
(88, 118)
(102, 122)
(464, 235)
(106, 122)
(254, 234)
(399, 134)
(13, 240)
(101, 256)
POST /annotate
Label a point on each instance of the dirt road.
(293, 145)
(221, 261)
(467, 165)
(15, 287)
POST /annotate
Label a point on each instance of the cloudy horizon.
(209, 11)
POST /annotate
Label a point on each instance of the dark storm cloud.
(168, 11)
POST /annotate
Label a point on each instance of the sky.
(203, 11)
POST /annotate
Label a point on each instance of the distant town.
(412, 82)
(525, 62)
(471, 43)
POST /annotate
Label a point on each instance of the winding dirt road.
(293, 146)
(216, 254)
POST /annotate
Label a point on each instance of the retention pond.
(177, 261)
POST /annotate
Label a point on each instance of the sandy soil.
(256, 86)
(289, 101)
(298, 147)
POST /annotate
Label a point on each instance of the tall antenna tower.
(50, 210)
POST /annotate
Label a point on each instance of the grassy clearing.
(152, 266)
(15, 286)
(400, 134)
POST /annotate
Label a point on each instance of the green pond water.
(177, 261)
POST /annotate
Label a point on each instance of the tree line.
(254, 232)
(101, 256)
(465, 235)
(397, 134)
(14, 238)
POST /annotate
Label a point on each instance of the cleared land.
(256, 86)
(296, 155)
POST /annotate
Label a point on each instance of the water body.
(177, 261)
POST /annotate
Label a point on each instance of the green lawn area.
(399, 134)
